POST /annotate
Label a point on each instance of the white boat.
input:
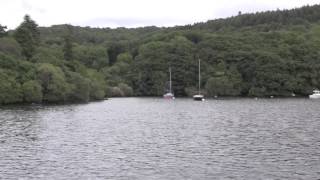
(199, 96)
(315, 95)
(169, 95)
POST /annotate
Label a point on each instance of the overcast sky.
(133, 13)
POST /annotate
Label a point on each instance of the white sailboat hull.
(314, 96)
(198, 97)
(168, 96)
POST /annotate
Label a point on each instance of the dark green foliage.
(116, 92)
(22, 70)
(32, 92)
(28, 36)
(67, 47)
(127, 90)
(114, 50)
(121, 90)
(3, 31)
(52, 55)
(10, 47)
(10, 89)
(79, 87)
(224, 82)
(97, 85)
(120, 72)
(150, 68)
(270, 20)
(274, 53)
(92, 56)
(97, 91)
(53, 82)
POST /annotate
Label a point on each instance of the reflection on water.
(150, 138)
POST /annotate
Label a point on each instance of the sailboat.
(199, 96)
(169, 95)
(315, 95)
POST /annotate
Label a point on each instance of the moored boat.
(199, 96)
(315, 95)
(169, 95)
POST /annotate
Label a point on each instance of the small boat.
(169, 95)
(199, 96)
(315, 95)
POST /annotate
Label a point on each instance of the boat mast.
(199, 76)
(170, 83)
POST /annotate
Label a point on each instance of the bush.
(190, 91)
(53, 82)
(79, 87)
(126, 89)
(32, 92)
(10, 90)
(221, 86)
(116, 92)
(51, 55)
(257, 91)
(10, 46)
(96, 90)
(97, 84)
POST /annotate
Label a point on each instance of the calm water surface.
(150, 138)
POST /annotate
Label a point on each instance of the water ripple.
(149, 138)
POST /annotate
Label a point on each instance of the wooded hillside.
(268, 53)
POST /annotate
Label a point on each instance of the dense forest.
(274, 53)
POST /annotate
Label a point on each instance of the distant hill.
(304, 15)
(273, 53)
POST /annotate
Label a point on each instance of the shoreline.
(153, 97)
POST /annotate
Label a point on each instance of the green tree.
(183, 63)
(3, 31)
(127, 90)
(53, 82)
(22, 70)
(28, 36)
(97, 85)
(68, 47)
(262, 54)
(10, 47)
(116, 92)
(114, 49)
(10, 90)
(257, 91)
(121, 71)
(220, 86)
(52, 55)
(223, 81)
(150, 67)
(79, 87)
(32, 92)
(92, 56)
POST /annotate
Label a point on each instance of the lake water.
(153, 138)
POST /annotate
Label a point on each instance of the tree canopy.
(28, 36)
(273, 53)
(3, 31)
